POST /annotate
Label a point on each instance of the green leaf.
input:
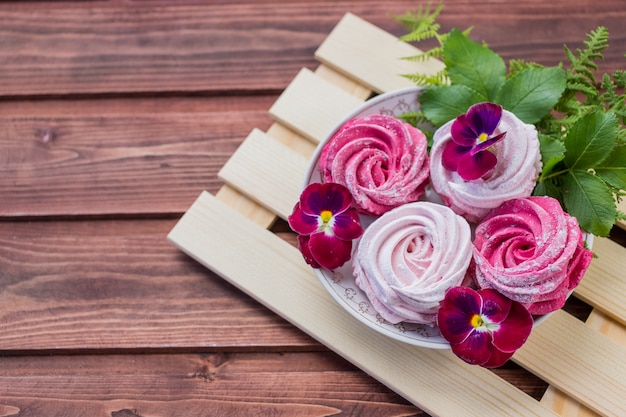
(613, 168)
(473, 65)
(548, 188)
(590, 140)
(590, 200)
(552, 152)
(445, 102)
(532, 92)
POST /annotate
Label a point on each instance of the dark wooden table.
(114, 116)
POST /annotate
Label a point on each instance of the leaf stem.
(555, 174)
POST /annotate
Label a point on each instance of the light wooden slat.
(344, 82)
(312, 106)
(588, 366)
(267, 171)
(605, 325)
(604, 284)
(272, 271)
(371, 55)
(248, 208)
(561, 403)
(565, 406)
(292, 140)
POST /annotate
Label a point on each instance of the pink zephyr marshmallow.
(531, 251)
(380, 159)
(409, 257)
(514, 176)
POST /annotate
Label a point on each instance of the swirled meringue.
(380, 159)
(409, 257)
(515, 174)
(532, 252)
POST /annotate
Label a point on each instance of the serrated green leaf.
(548, 188)
(532, 92)
(590, 200)
(473, 65)
(590, 140)
(613, 168)
(443, 103)
(552, 152)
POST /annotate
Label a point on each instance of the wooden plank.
(103, 286)
(604, 284)
(243, 171)
(312, 106)
(76, 50)
(371, 55)
(308, 384)
(605, 325)
(61, 48)
(105, 164)
(559, 401)
(588, 366)
(345, 83)
(248, 208)
(275, 274)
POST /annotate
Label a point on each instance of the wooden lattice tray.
(584, 363)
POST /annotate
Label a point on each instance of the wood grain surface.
(114, 116)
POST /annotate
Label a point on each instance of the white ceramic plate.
(340, 282)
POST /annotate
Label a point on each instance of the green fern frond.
(435, 53)
(421, 34)
(439, 78)
(414, 118)
(620, 77)
(586, 89)
(621, 137)
(417, 20)
(583, 62)
(517, 65)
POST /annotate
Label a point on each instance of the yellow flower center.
(326, 215)
(483, 137)
(477, 321)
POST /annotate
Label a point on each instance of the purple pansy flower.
(471, 132)
(483, 327)
(326, 223)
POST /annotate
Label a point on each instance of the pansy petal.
(455, 313)
(302, 223)
(484, 117)
(496, 306)
(454, 325)
(497, 359)
(462, 133)
(303, 245)
(347, 225)
(328, 251)
(514, 330)
(476, 349)
(452, 154)
(311, 199)
(338, 198)
(317, 197)
(482, 146)
(472, 167)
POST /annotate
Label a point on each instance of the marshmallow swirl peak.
(409, 257)
(382, 160)
(532, 252)
(515, 174)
